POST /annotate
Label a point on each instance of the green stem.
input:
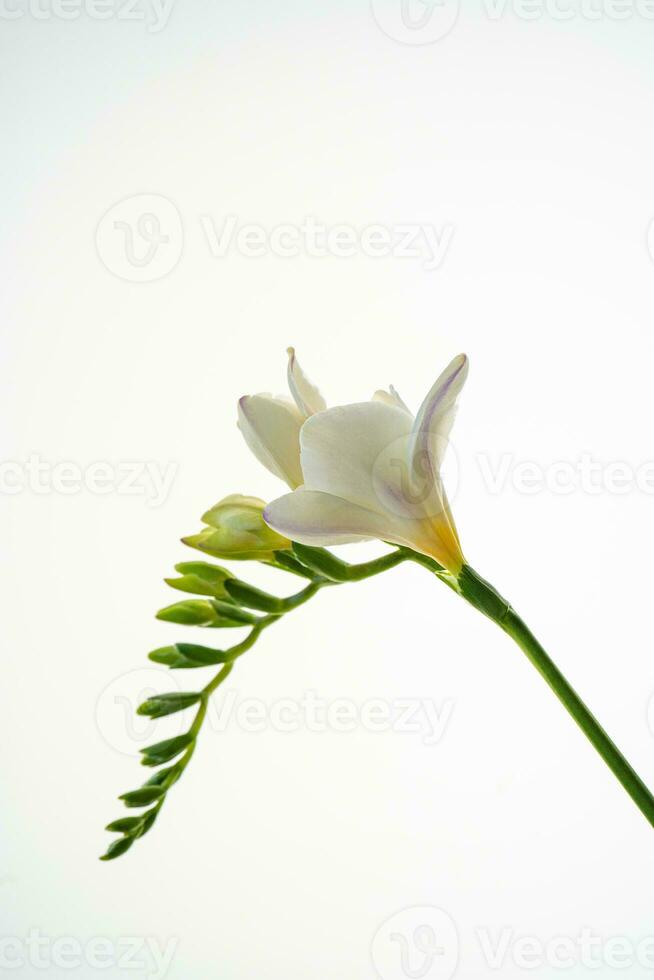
(323, 569)
(356, 573)
(331, 570)
(201, 714)
(485, 598)
(433, 566)
(293, 601)
(364, 570)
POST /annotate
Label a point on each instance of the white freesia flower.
(271, 423)
(371, 470)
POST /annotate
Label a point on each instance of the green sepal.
(124, 825)
(117, 847)
(234, 612)
(323, 562)
(212, 542)
(142, 797)
(482, 595)
(288, 563)
(253, 598)
(160, 752)
(186, 655)
(164, 777)
(167, 704)
(148, 819)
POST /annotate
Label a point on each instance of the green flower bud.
(206, 612)
(201, 578)
(237, 530)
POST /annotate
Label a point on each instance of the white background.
(282, 854)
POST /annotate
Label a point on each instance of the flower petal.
(316, 518)
(271, 428)
(391, 397)
(359, 452)
(322, 519)
(307, 397)
(435, 417)
(429, 441)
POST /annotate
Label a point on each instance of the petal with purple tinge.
(316, 518)
(307, 397)
(435, 417)
(321, 519)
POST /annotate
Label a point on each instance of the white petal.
(429, 441)
(307, 397)
(316, 518)
(435, 417)
(360, 452)
(321, 519)
(271, 428)
(391, 397)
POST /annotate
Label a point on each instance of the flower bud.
(201, 578)
(236, 529)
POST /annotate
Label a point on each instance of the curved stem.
(485, 598)
(355, 573)
(630, 780)
(364, 570)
